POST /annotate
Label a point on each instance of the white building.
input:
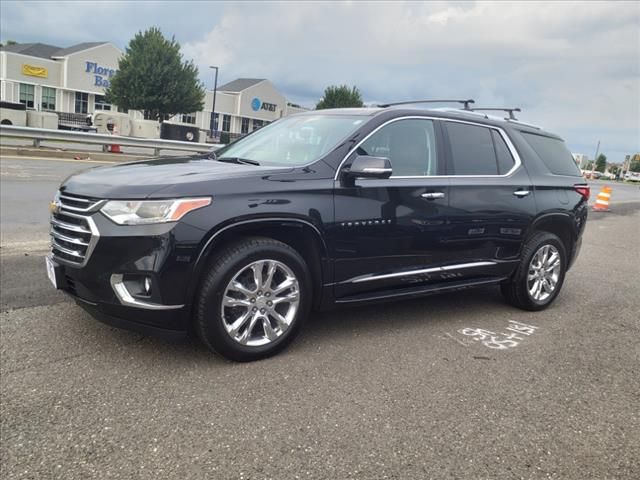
(73, 80)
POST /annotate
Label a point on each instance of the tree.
(9, 42)
(340, 97)
(601, 163)
(153, 78)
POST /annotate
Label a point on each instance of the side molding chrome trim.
(512, 149)
(120, 289)
(446, 268)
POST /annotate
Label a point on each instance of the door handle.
(521, 193)
(432, 195)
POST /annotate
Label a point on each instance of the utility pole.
(593, 165)
(213, 109)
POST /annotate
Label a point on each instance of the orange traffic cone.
(115, 148)
(602, 200)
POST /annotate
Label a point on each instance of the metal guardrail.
(38, 135)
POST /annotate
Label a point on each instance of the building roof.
(77, 48)
(43, 50)
(240, 84)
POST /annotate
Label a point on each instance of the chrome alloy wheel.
(543, 273)
(260, 303)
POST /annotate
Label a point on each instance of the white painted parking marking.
(518, 331)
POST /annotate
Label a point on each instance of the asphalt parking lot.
(398, 391)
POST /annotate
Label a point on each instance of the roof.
(240, 84)
(388, 113)
(43, 50)
(343, 111)
(63, 52)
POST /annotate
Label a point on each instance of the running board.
(421, 291)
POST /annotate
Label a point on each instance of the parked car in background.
(632, 176)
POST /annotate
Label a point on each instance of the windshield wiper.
(243, 161)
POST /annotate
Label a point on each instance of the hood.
(141, 179)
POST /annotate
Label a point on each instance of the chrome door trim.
(376, 170)
(505, 137)
(446, 268)
(432, 195)
(521, 193)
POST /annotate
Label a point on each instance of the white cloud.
(573, 67)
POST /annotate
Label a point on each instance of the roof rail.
(508, 110)
(464, 102)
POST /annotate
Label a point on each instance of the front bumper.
(163, 253)
(157, 326)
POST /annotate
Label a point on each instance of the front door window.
(410, 144)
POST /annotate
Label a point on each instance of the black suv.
(325, 208)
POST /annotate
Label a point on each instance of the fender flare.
(205, 250)
(563, 217)
(566, 219)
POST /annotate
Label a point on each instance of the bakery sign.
(34, 71)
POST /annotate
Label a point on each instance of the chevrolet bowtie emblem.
(54, 207)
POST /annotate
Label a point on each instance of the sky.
(573, 67)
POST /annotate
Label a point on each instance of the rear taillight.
(584, 190)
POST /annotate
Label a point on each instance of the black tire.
(209, 324)
(516, 291)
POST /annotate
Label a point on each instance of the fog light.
(147, 286)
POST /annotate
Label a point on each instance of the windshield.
(296, 140)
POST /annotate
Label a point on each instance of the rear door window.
(554, 153)
(472, 150)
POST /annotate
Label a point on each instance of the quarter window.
(472, 150)
(27, 94)
(48, 98)
(554, 153)
(410, 144)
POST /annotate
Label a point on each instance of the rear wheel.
(254, 299)
(540, 275)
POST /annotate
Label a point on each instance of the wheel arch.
(302, 235)
(560, 224)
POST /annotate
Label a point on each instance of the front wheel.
(540, 275)
(253, 300)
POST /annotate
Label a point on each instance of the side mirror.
(364, 166)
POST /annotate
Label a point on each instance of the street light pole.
(213, 109)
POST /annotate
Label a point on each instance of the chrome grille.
(73, 232)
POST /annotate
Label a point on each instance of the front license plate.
(51, 271)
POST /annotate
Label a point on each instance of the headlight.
(133, 212)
